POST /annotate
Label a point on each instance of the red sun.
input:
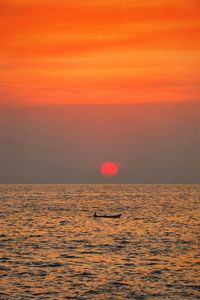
(109, 169)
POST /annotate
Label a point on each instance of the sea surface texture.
(52, 248)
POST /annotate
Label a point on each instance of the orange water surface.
(52, 248)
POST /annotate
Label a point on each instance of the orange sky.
(99, 51)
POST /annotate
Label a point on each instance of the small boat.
(106, 216)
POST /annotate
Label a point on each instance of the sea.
(52, 248)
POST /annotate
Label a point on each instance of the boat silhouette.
(106, 216)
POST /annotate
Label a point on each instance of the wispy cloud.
(111, 50)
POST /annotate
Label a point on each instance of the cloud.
(79, 45)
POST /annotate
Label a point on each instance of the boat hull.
(108, 217)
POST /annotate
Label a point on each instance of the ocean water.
(52, 248)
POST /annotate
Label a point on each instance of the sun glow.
(109, 169)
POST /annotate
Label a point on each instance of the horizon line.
(36, 105)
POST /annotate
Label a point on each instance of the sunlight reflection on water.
(51, 247)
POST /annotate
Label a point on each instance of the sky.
(99, 51)
(85, 82)
(151, 143)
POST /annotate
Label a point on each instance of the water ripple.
(51, 247)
